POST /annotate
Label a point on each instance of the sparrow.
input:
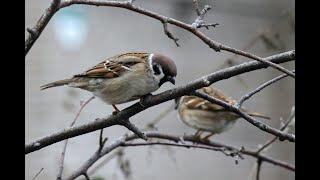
(203, 115)
(123, 78)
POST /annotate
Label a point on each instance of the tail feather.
(56, 83)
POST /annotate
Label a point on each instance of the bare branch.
(259, 163)
(66, 141)
(198, 143)
(268, 143)
(196, 6)
(258, 89)
(157, 99)
(41, 24)
(35, 176)
(105, 161)
(169, 34)
(133, 128)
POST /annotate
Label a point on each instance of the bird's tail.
(56, 83)
(255, 114)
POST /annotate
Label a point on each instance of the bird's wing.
(206, 105)
(114, 66)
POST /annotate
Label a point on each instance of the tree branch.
(198, 143)
(258, 89)
(35, 32)
(157, 99)
(61, 162)
(38, 173)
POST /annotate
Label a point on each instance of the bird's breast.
(128, 87)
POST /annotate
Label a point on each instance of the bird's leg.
(197, 135)
(206, 138)
(116, 110)
(144, 98)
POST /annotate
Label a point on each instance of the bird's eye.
(156, 69)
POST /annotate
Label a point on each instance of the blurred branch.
(120, 117)
(259, 163)
(55, 6)
(82, 105)
(178, 142)
(159, 117)
(283, 128)
(169, 34)
(35, 176)
(267, 144)
(258, 89)
(105, 161)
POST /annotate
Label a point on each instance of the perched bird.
(123, 78)
(203, 115)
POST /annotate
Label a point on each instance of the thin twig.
(268, 143)
(258, 89)
(105, 161)
(35, 176)
(259, 163)
(196, 6)
(159, 117)
(61, 164)
(169, 34)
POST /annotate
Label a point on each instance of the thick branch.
(209, 145)
(157, 99)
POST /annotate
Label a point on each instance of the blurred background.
(80, 36)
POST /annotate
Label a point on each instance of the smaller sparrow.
(203, 115)
(123, 78)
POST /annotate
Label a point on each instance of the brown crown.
(168, 66)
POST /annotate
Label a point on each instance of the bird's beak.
(171, 79)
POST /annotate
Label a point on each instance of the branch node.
(134, 129)
(102, 141)
(85, 174)
(199, 22)
(32, 32)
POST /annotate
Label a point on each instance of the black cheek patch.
(156, 69)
